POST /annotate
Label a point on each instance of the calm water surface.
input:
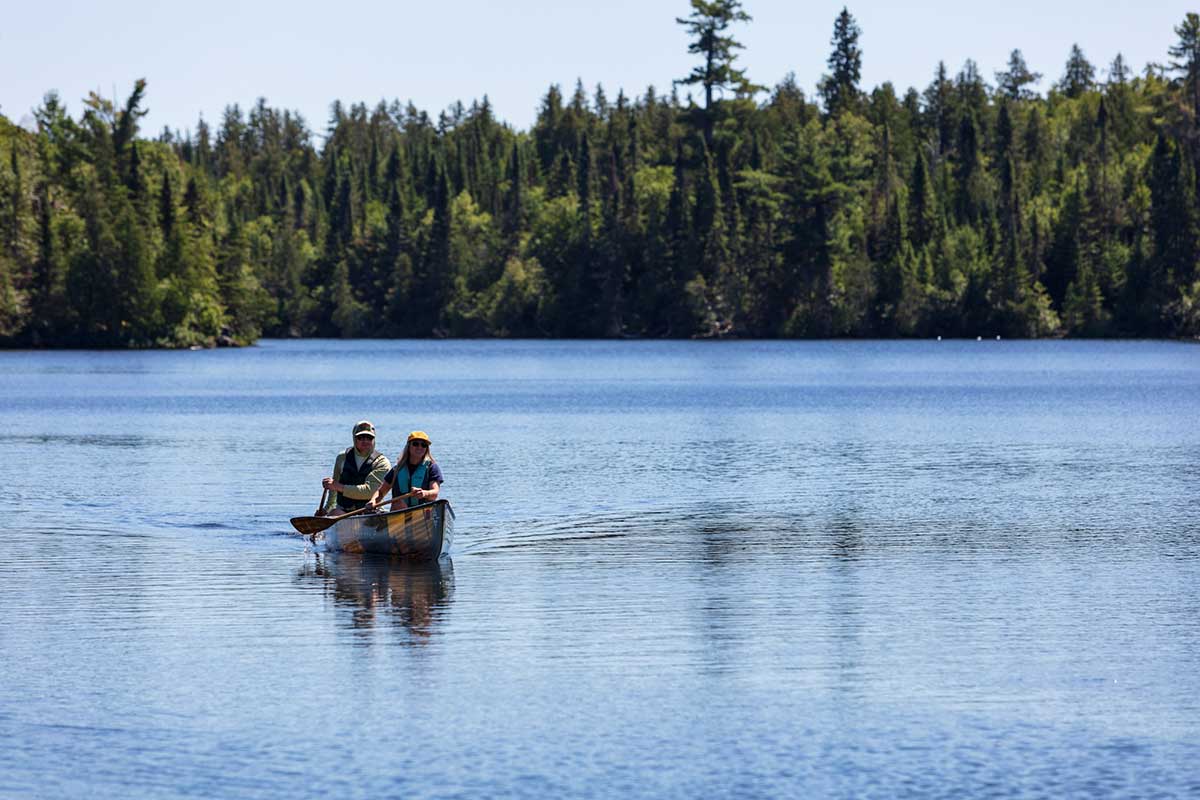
(919, 569)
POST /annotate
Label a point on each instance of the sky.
(303, 55)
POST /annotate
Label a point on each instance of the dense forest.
(971, 207)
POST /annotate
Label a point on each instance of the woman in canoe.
(415, 472)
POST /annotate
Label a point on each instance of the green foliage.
(707, 25)
(1185, 59)
(1079, 75)
(1012, 82)
(11, 304)
(840, 87)
(952, 210)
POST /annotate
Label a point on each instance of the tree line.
(971, 207)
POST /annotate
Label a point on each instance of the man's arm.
(331, 497)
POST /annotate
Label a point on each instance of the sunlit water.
(921, 569)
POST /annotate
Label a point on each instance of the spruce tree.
(840, 87)
(166, 207)
(939, 105)
(1012, 82)
(922, 205)
(514, 202)
(1173, 215)
(1079, 75)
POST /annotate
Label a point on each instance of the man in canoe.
(415, 472)
(357, 473)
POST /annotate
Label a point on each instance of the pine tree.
(707, 25)
(125, 122)
(1185, 55)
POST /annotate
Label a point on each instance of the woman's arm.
(427, 495)
(380, 493)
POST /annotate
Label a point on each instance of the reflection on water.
(382, 590)
(718, 569)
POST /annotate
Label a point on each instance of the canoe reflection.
(383, 589)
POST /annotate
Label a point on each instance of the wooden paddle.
(306, 525)
(310, 525)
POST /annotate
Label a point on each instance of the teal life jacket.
(407, 479)
(354, 475)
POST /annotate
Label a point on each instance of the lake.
(681, 569)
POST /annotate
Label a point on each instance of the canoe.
(421, 533)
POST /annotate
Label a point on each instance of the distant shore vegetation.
(978, 205)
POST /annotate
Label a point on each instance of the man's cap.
(364, 426)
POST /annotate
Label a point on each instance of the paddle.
(310, 525)
(306, 525)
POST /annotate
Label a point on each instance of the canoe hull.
(420, 533)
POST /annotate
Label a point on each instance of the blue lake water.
(682, 569)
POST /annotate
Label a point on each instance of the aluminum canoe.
(423, 532)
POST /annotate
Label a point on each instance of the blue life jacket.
(353, 475)
(407, 479)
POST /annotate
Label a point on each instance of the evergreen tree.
(710, 222)
(970, 200)
(955, 210)
(1062, 262)
(922, 205)
(1185, 55)
(707, 25)
(840, 87)
(939, 105)
(671, 314)
(514, 203)
(1012, 82)
(166, 207)
(1079, 75)
(1173, 216)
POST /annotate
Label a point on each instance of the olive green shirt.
(363, 491)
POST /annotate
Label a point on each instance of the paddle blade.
(310, 525)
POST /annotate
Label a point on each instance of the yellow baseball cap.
(422, 435)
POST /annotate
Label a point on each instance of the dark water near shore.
(911, 569)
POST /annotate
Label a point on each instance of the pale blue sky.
(302, 55)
